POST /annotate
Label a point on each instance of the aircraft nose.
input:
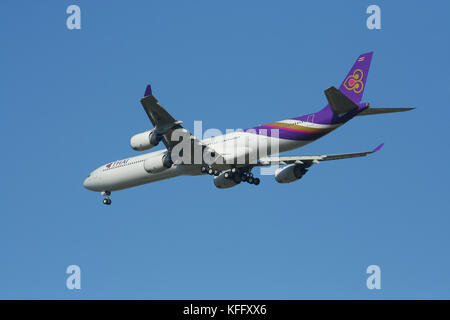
(88, 183)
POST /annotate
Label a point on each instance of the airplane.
(230, 158)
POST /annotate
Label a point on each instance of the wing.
(309, 160)
(165, 125)
(163, 122)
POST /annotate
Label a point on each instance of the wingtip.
(148, 91)
(378, 148)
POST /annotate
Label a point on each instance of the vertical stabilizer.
(355, 82)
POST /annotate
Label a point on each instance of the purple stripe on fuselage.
(283, 133)
(324, 116)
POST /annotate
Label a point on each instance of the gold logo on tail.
(354, 81)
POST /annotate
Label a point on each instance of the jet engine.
(145, 140)
(158, 163)
(290, 173)
(222, 183)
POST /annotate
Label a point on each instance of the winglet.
(148, 91)
(378, 148)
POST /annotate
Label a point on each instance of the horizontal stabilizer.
(370, 111)
(339, 102)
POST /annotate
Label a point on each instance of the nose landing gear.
(106, 200)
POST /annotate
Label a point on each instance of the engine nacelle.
(222, 183)
(145, 140)
(157, 163)
(290, 173)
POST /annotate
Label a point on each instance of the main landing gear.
(239, 176)
(210, 170)
(106, 200)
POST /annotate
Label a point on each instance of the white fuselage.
(130, 172)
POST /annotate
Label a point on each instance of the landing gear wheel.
(216, 172)
(256, 181)
(210, 171)
(106, 200)
(203, 169)
(227, 175)
(244, 177)
(250, 180)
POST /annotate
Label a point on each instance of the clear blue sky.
(70, 102)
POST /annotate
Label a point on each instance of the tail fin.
(355, 82)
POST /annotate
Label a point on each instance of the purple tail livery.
(355, 82)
